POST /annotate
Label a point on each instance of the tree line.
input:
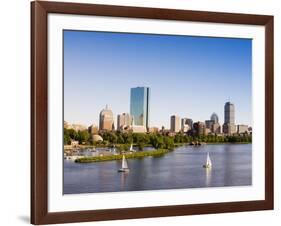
(157, 140)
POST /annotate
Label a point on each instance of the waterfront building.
(124, 121)
(209, 123)
(242, 129)
(185, 125)
(216, 128)
(215, 118)
(140, 106)
(229, 118)
(93, 129)
(175, 124)
(199, 128)
(106, 119)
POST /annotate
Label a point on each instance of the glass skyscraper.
(139, 105)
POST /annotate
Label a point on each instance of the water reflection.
(123, 176)
(208, 176)
(182, 168)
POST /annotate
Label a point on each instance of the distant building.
(175, 124)
(65, 124)
(229, 128)
(209, 124)
(124, 121)
(106, 119)
(153, 129)
(76, 127)
(242, 129)
(138, 129)
(229, 118)
(185, 125)
(207, 131)
(229, 113)
(199, 128)
(140, 106)
(93, 129)
(190, 122)
(216, 128)
(215, 118)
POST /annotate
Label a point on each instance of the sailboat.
(125, 167)
(131, 148)
(208, 162)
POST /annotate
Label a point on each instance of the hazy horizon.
(191, 77)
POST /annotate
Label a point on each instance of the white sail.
(208, 161)
(124, 163)
(131, 148)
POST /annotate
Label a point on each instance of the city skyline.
(104, 81)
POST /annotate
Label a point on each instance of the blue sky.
(188, 76)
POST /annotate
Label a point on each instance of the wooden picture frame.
(39, 112)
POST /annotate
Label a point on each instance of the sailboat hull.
(207, 166)
(123, 170)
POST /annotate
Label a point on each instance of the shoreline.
(134, 155)
(140, 154)
(176, 145)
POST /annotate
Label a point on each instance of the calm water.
(182, 168)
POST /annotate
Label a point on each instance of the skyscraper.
(229, 118)
(106, 119)
(175, 124)
(139, 106)
(190, 123)
(215, 117)
(229, 113)
(185, 125)
(124, 121)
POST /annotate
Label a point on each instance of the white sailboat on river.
(208, 162)
(125, 167)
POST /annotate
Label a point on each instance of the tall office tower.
(124, 121)
(229, 113)
(140, 106)
(215, 118)
(185, 124)
(175, 124)
(106, 119)
(229, 119)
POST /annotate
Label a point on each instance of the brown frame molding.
(39, 109)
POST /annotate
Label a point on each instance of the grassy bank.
(141, 154)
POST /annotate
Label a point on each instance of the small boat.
(125, 167)
(131, 148)
(208, 162)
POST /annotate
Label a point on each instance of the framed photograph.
(149, 112)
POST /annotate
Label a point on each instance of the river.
(181, 168)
